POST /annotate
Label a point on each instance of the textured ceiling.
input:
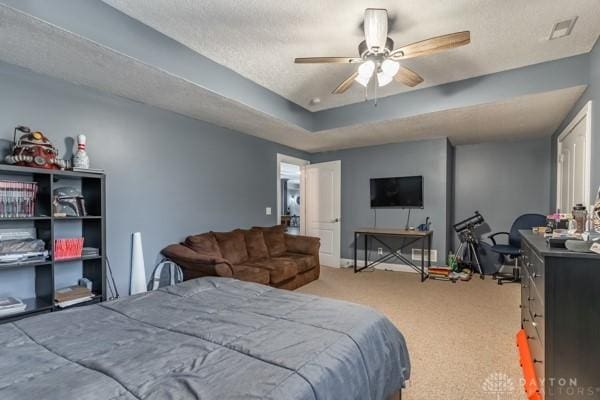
(528, 116)
(260, 39)
(47, 49)
(50, 50)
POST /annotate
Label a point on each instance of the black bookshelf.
(42, 273)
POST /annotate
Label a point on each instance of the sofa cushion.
(304, 262)
(250, 274)
(274, 238)
(233, 246)
(205, 243)
(255, 244)
(279, 270)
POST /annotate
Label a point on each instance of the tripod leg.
(459, 251)
(477, 261)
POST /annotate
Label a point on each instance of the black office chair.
(490, 261)
(512, 250)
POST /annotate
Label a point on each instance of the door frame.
(299, 162)
(585, 112)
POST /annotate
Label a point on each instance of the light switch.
(268, 210)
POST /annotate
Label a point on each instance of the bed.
(207, 338)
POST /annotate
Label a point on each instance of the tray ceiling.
(50, 50)
(260, 39)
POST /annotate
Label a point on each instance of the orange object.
(68, 248)
(532, 386)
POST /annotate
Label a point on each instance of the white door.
(574, 163)
(323, 207)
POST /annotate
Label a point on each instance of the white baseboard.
(348, 263)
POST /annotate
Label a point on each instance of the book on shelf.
(72, 293)
(90, 251)
(69, 303)
(88, 170)
(24, 257)
(17, 199)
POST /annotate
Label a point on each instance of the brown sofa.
(262, 255)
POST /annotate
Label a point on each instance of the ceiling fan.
(378, 56)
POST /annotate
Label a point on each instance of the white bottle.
(81, 159)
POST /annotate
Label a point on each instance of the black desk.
(413, 236)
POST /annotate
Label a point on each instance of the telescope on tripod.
(467, 252)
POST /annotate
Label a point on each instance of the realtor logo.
(499, 385)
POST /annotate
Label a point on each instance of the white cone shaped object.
(138, 270)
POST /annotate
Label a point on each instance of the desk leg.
(422, 260)
(355, 249)
(429, 247)
(366, 249)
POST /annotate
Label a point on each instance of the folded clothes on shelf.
(22, 250)
(11, 305)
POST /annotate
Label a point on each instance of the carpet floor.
(459, 335)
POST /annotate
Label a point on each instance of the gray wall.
(591, 93)
(501, 180)
(427, 158)
(167, 175)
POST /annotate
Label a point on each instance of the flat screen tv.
(401, 192)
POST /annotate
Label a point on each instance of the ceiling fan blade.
(327, 60)
(345, 85)
(432, 45)
(408, 77)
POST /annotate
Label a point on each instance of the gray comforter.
(209, 338)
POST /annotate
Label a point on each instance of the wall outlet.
(380, 251)
(268, 210)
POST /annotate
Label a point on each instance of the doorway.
(574, 162)
(309, 202)
(290, 187)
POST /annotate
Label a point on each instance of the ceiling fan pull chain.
(375, 99)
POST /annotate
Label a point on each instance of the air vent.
(416, 255)
(562, 29)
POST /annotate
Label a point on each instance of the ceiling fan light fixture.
(376, 28)
(383, 79)
(366, 69)
(363, 79)
(390, 67)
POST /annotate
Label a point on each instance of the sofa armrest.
(199, 264)
(302, 244)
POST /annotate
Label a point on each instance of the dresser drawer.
(524, 299)
(537, 354)
(529, 328)
(537, 317)
(537, 272)
(526, 254)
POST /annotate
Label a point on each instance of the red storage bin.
(68, 248)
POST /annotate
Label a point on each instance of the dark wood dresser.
(560, 313)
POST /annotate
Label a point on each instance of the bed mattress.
(207, 338)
